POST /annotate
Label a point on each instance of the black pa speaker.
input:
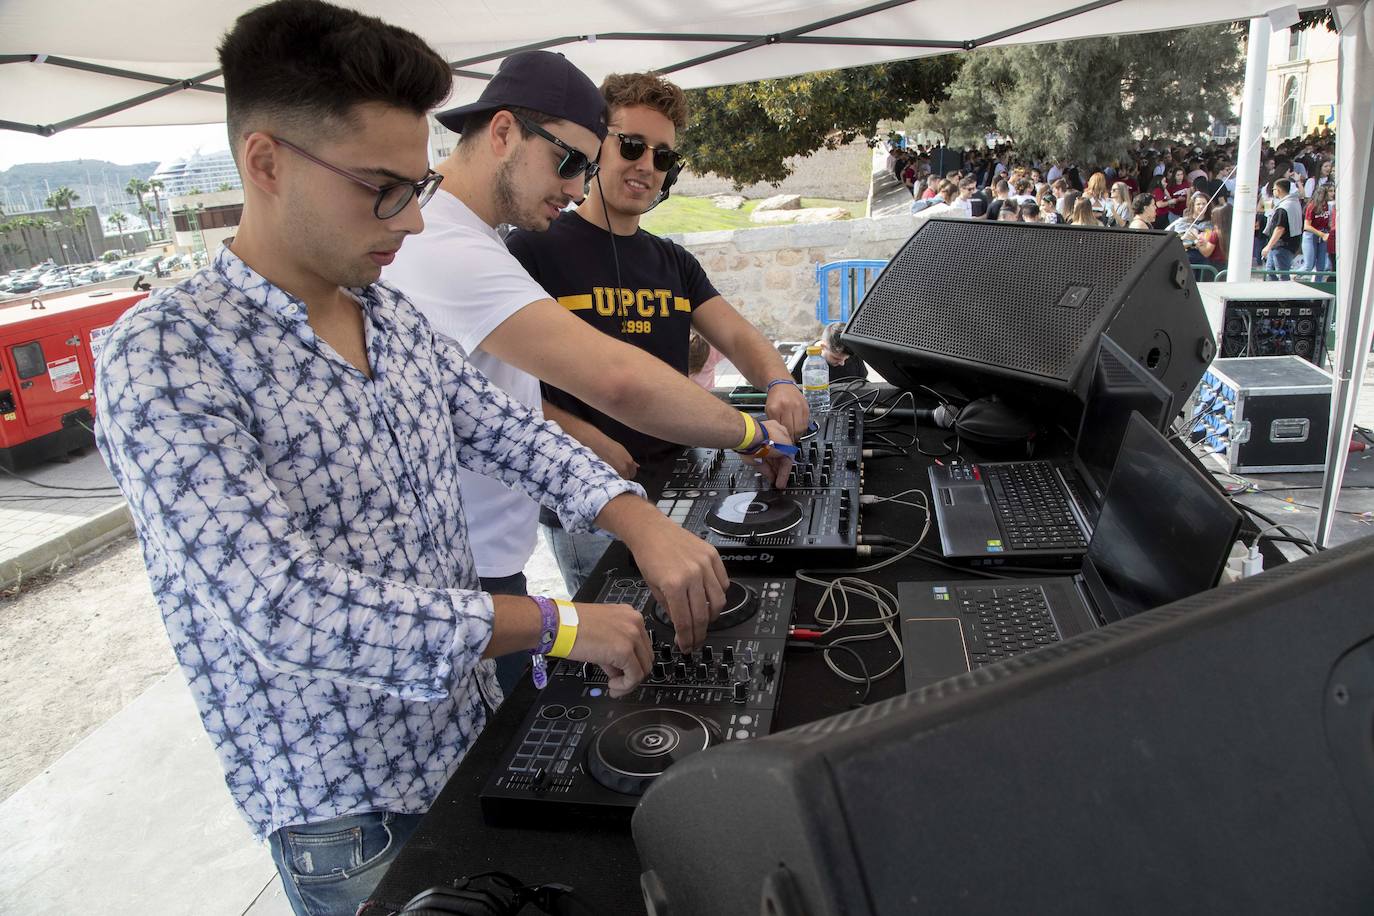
(1016, 309)
(1215, 755)
(944, 160)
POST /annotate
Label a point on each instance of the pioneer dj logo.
(1074, 297)
(748, 557)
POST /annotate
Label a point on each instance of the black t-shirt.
(661, 284)
(1292, 241)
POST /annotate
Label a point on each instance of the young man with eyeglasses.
(527, 146)
(289, 434)
(663, 293)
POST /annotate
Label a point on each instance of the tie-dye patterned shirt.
(304, 535)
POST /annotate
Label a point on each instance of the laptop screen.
(1164, 532)
(1119, 386)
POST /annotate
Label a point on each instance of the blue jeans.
(330, 868)
(576, 554)
(1279, 258)
(509, 668)
(1314, 254)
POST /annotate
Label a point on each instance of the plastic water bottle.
(816, 381)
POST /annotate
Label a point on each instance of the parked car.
(25, 285)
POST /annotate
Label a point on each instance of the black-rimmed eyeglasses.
(632, 148)
(391, 198)
(575, 162)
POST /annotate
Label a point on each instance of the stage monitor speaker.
(943, 161)
(1215, 755)
(1016, 309)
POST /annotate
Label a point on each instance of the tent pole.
(1248, 152)
(1354, 227)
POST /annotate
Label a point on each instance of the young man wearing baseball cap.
(583, 255)
(528, 145)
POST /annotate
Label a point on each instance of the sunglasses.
(391, 198)
(575, 162)
(632, 148)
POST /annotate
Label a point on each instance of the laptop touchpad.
(966, 496)
(934, 650)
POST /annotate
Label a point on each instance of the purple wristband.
(548, 634)
(779, 381)
(548, 624)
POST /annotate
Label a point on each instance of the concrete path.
(43, 526)
(135, 819)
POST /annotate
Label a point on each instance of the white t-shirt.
(461, 277)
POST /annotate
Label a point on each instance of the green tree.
(951, 119)
(119, 219)
(136, 188)
(63, 199)
(155, 187)
(1085, 100)
(745, 132)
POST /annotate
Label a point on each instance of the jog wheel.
(760, 513)
(740, 605)
(630, 752)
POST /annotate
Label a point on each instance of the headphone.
(668, 180)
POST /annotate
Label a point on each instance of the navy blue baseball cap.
(541, 81)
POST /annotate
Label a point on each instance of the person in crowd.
(942, 204)
(932, 188)
(965, 203)
(288, 432)
(1097, 196)
(1048, 211)
(1282, 232)
(1001, 199)
(1316, 228)
(1143, 211)
(1011, 213)
(1322, 177)
(523, 154)
(1084, 214)
(1177, 190)
(1214, 242)
(597, 254)
(702, 359)
(1029, 212)
(1119, 213)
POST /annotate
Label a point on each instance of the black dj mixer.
(722, 499)
(581, 752)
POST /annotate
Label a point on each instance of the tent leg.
(1248, 152)
(1355, 266)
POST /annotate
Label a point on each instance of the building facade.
(201, 222)
(1300, 89)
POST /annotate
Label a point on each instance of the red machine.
(47, 373)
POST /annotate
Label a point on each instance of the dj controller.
(579, 751)
(722, 499)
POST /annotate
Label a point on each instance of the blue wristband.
(779, 381)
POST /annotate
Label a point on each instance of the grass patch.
(700, 214)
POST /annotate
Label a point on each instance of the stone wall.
(769, 274)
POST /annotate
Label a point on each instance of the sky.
(122, 145)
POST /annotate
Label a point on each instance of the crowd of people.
(1189, 190)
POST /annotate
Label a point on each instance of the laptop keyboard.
(1031, 507)
(1004, 620)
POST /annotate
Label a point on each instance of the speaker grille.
(1020, 296)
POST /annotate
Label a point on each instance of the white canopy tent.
(102, 63)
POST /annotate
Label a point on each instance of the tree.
(956, 124)
(155, 186)
(119, 219)
(137, 187)
(745, 132)
(62, 199)
(1084, 100)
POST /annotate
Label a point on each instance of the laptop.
(1165, 532)
(1042, 512)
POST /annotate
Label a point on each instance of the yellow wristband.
(750, 430)
(567, 629)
